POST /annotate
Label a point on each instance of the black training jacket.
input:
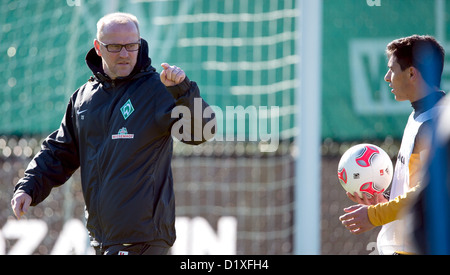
(119, 134)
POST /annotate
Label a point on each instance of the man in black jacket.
(118, 130)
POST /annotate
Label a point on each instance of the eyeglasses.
(115, 48)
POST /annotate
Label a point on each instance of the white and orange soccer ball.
(365, 168)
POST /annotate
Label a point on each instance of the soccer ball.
(365, 168)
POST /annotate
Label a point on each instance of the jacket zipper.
(100, 181)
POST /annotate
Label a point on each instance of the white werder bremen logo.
(127, 109)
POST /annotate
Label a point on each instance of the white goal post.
(308, 177)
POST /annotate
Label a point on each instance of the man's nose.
(387, 77)
(123, 52)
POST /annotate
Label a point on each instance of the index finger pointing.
(165, 66)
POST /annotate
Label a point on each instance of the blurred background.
(233, 196)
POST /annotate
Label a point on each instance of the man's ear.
(413, 73)
(97, 47)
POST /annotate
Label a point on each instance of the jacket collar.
(426, 103)
(143, 64)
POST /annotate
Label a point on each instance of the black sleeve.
(55, 163)
(192, 119)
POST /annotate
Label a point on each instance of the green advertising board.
(357, 102)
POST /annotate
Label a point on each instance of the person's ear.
(413, 73)
(97, 47)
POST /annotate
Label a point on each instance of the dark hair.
(422, 52)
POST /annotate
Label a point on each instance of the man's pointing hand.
(171, 75)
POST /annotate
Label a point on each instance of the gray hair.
(117, 17)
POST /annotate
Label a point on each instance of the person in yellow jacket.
(415, 69)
